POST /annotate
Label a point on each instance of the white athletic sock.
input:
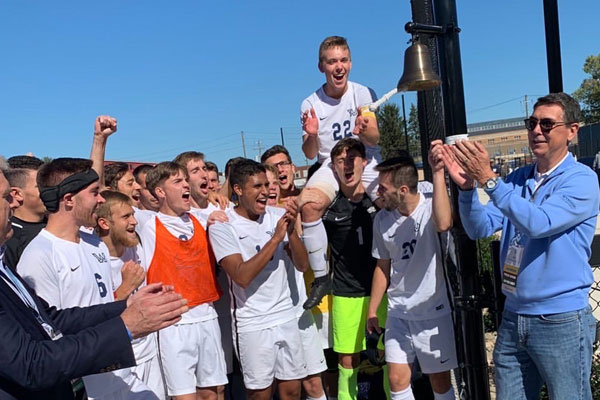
(405, 394)
(323, 397)
(315, 240)
(449, 395)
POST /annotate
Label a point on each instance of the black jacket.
(32, 366)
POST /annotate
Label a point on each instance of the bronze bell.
(418, 72)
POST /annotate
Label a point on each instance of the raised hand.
(474, 160)
(361, 123)
(435, 157)
(105, 126)
(310, 123)
(455, 170)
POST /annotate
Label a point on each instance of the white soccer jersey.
(336, 116)
(68, 274)
(266, 301)
(202, 214)
(142, 216)
(417, 288)
(182, 228)
(144, 348)
(297, 287)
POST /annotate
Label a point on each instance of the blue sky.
(187, 75)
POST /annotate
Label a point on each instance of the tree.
(391, 130)
(589, 92)
(414, 134)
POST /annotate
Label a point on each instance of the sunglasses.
(546, 124)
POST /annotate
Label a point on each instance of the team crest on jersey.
(352, 112)
(371, 210)
(417, 227)
(100, 257)
(270, 233)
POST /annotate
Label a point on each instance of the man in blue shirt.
(547, 213)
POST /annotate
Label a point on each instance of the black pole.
(405, 125)
(553, 46)
(282, 142)
(468, 311)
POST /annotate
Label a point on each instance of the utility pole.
(405, 125)
(526, 107)
(243, 144)
(259, 148)
(282, 142)
(469, 301)
(553, 46)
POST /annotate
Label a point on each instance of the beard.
(124, 238)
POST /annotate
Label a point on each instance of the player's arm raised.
(365, 127)
(441, 209)
(310, 139)
(104, 126)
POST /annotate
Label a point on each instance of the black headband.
(72, 184)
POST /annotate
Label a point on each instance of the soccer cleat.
(319, 289)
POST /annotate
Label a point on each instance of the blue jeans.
(554, 348)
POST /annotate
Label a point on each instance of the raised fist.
(105, 126)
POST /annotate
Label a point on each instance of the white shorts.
(144, 382)
(325, 329)
(311, 344)
(324, 179)
(430, 341)
(192, 357)
(271, 353)
(224, 314)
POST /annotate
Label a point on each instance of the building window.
(490, 141)
(504, 138)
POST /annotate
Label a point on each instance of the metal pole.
(553, 46)
(282, 142)
(405, 125)
(468, 313)
(243, 144)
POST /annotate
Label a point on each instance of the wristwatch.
(491, 184)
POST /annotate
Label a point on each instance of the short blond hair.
(330, 42)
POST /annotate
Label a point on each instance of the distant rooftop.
(499, 125)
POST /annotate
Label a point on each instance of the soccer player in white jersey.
(205, 211)
(203, 202)
(213, 176)
(279, 157)
(311, 339)
(118, 176)
(328, 115)
(409, 256)
(251, 248)
(147, 201)
(176, 252)
(116, 228)
(65, 265)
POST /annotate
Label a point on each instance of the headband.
(51, 195)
